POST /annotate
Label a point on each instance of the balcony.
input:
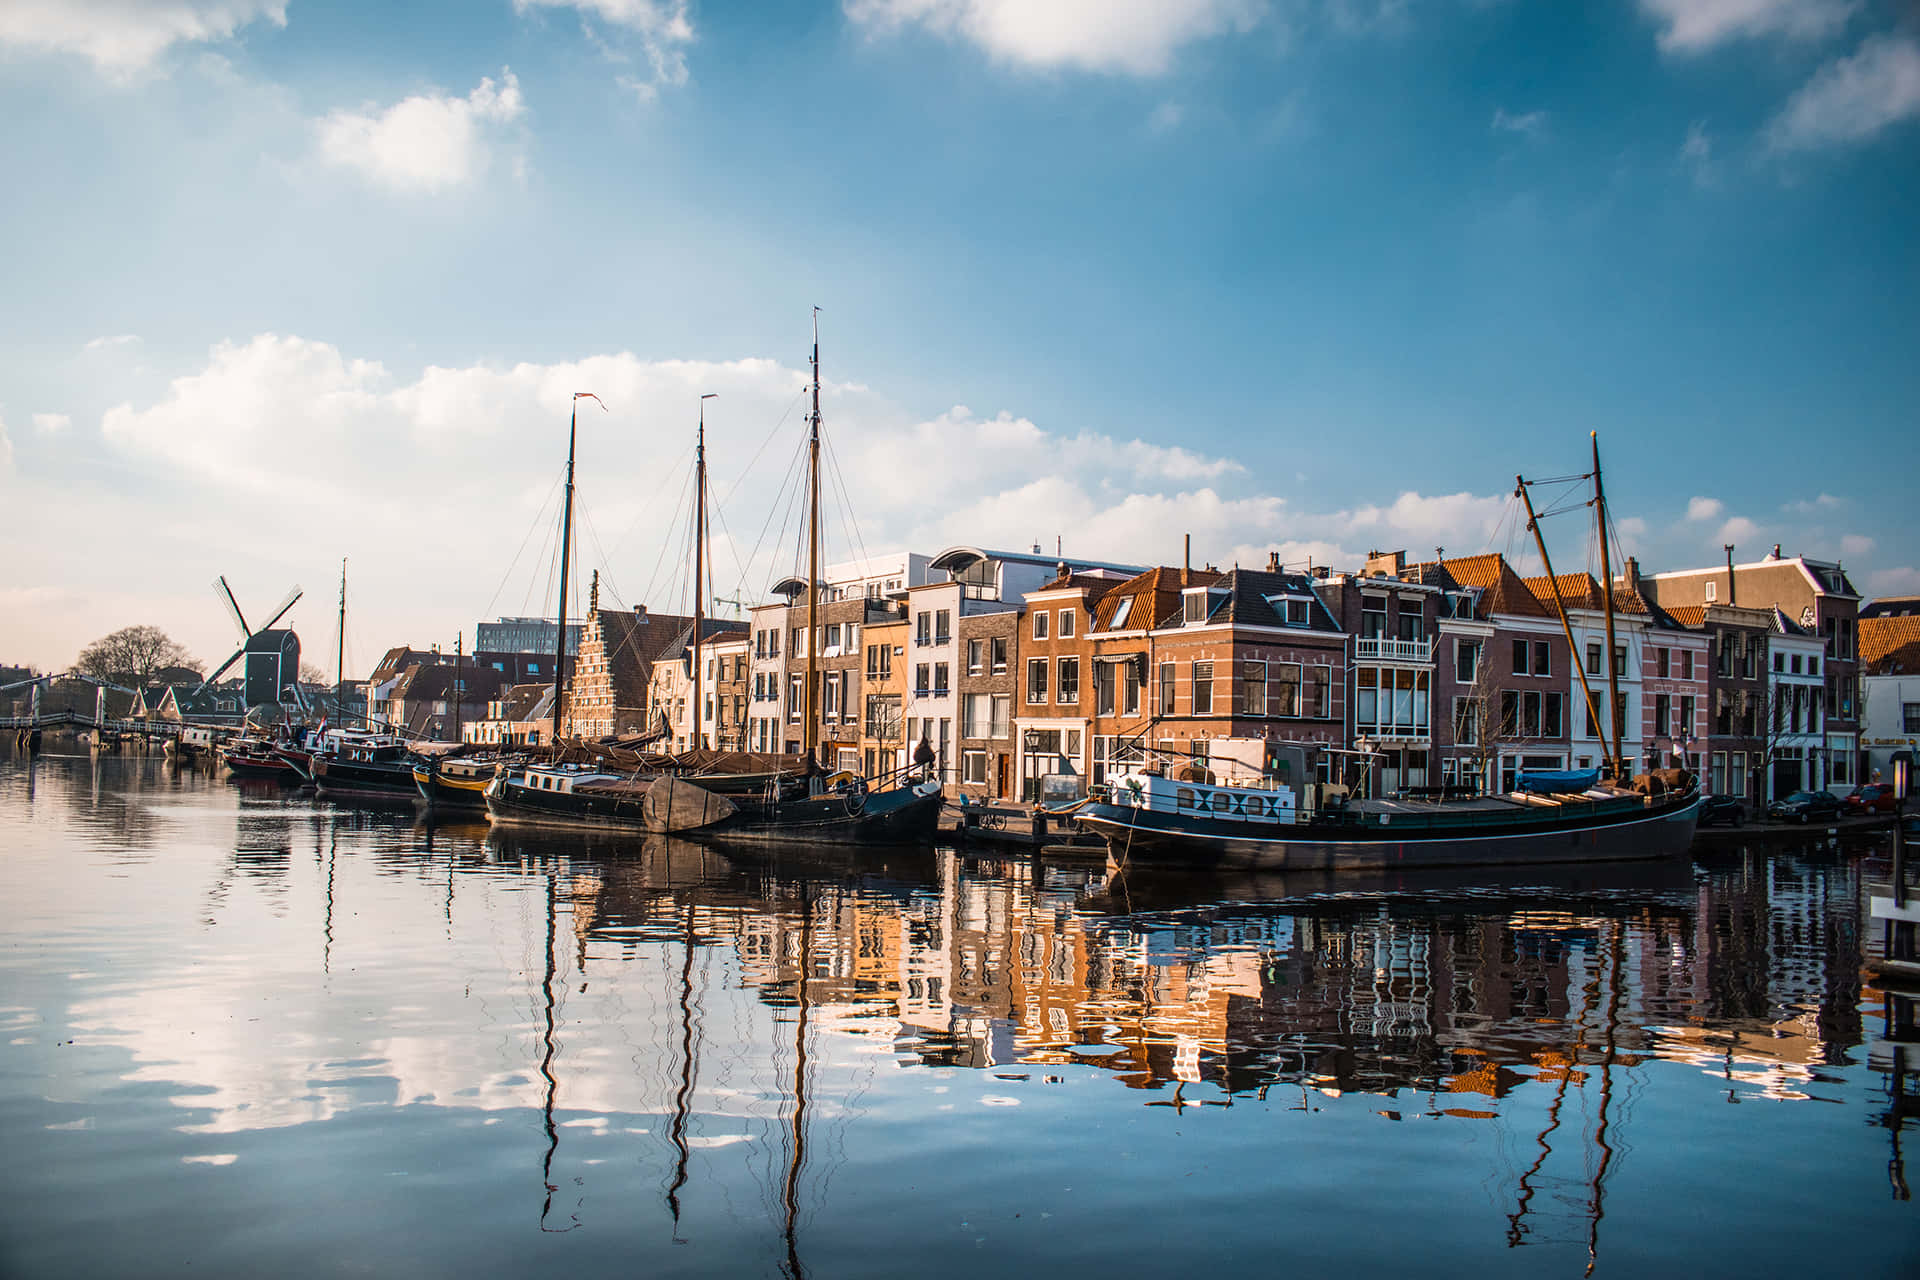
(1381, 650)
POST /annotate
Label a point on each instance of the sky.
(288, 283)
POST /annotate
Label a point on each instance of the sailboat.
(1152, 814)
(809, 808)
(597, 785)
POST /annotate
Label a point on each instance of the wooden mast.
(1560, 608)
(1619, 764)
(340, 652)
(566, 541)
(811, 731)
(699, 564)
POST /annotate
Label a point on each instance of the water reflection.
(727, 1038)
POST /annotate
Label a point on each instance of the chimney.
(1385, 563)
(1776, 551)
(1186, 563)
(1730, 599)
(1273, 562)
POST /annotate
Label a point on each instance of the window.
(1286, 689)
(1660, 660)
(942, 626)
(1795, 664)
(1542, 658)
(1910, 717)
(1685, 728)
(1320, 692)
(1253, 688)
(1737, 774)
(973, 715)
(923, 627)
(1662, 713)
(1130, 690)
(1066, 624)
(1036, 680)
(1466, 722)
(1196, 607)
(1001, 724)
(831, 644)
(1120, 614)
(1373, 624)
(1551, 715)
(1296, 613)
(923, 679)
(1713, 592)
(973, 768)
(795, 692)
(1040, 617)
(997, 647)
(1466, 660)
(879, 661)
(1521, 652)
(1067, 686)
(976, 657)
(1593, 658)
(1203, 688)
(1686, 664)
(940, 680)
(1166, 689)
(1813, 664)
(1718, 786)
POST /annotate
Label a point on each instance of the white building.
(1796, 729)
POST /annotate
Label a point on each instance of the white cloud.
(1704, 508)
(121, 37)
(1531, 125)
(1696, 153)
(1135, 37)
(296, 434)
(1901, 580)
(661, 27)
(1737, 530)
(48, 423)
(426, 143)
(1691, 26)
(1852, 99)
(1165, 118)
(114, 340)
(1855, 544)
(1807, 507)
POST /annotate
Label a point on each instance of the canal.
(247, 1032)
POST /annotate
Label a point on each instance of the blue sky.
(288, 282)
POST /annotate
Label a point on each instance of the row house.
(1391, 616)
(670, 694)
(1052, 671)
(518, 715)
(1676, 685)
(965, 633)
(1796, 719)
(723, 695)
(884, 748)
(1734, 751)
(1817, 598)
(1627, 726)
(1502, 677)
(608, 694)
(435, 701)
(1890, 660)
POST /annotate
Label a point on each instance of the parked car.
(1805, 806)
(1722, 809)
(1871, 797)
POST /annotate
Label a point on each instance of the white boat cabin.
(562, 777)
(1254, 801)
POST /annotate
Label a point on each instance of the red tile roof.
(1580, 591)
(1890, 646)
(1502, 590)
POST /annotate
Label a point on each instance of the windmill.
(273, 657)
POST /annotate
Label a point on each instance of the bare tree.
(134, 656)
(1488, 715)
(310, 674)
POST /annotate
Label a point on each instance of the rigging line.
(651, 500)
(846, 501)
(748, 469)
(793, 467)
(606, 574)
(539, 518)
(1558, 480)
(673, 522)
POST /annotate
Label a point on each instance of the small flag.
(588, 395)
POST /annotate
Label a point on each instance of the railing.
(1394, 650)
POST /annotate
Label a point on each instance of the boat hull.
(1144, 835)
(271, 767)
(445, 791)
(511, 803)
(907, 817)
(383, 780)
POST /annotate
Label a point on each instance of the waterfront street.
(249, 1032)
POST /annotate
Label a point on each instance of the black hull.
(447, 796)
(377, 780)
(829, 820)
(272, 769)
(515, 805)
(1142, 835)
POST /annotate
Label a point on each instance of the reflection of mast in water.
(790, 1190)
(1606, 1098)
(546, 1060)
(689, 1068)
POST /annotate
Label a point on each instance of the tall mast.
(566, 545)
(811, 733)
(340, 651)
(1560, 607)
(1606, 589)
(699, 564)
(458, 692)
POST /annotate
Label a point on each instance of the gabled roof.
(633, 642)
(1247, 604)
(1153, 597)
(1501, 589)
(1789, 626)
(1094, 584)
(437, 680)
(1581, 591)
(1691, 616)
(1890, 646)
(1892, 607)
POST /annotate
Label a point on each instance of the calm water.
(249, 1033)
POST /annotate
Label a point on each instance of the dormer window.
(1200, 604)
(1120, 614)
(1295, 611)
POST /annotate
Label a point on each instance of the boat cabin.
(1252, 800)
